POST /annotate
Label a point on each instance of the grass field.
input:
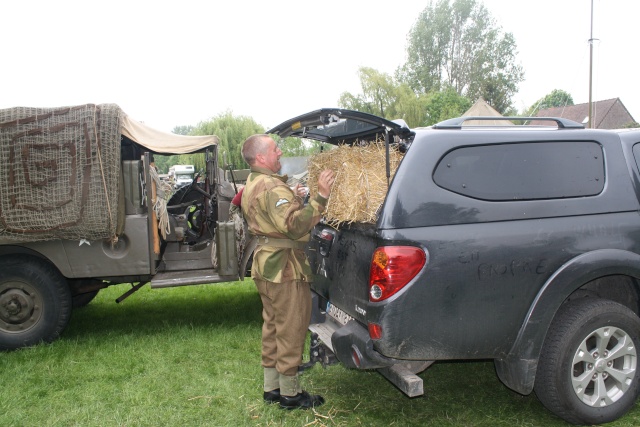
(190, 357)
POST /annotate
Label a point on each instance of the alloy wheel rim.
(603, 366)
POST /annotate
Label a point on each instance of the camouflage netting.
(59, 172)
(361, 182)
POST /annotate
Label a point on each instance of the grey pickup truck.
(519, 244)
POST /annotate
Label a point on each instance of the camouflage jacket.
(272, 209)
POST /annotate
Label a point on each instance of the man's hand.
(325, 181)
(300, 190)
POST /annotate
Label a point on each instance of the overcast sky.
(182, 62)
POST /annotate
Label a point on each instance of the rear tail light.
(325, 239)
(392, 268)
(356, 356)
(375, 331)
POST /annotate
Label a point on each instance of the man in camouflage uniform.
(277, 215)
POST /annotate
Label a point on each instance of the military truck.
(82, 208)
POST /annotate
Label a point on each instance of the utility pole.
(590, 122)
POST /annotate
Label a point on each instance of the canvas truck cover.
(60, 169)
(162, 142)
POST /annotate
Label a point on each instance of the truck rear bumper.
(350, 343)
(353, 347)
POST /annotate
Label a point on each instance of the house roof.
(607, 114)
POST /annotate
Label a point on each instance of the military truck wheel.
(83, 291)
(35, 302)
(588, 371)
(81, 300)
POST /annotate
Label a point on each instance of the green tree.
(458, 45)
(294, 147)
(383, 96)
(410, 106)
(378, 93)
(556, 98)
(444, 105)
(183, 130)
(231, 131)
(163, 163)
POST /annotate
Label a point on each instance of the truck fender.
(51, 250)
(518, 369)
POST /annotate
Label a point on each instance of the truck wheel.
(35, 302)
(588, 370)
(81, 300)
(83, 291)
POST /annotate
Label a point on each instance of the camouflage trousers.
(286, 311)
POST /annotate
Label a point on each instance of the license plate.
(337, 314)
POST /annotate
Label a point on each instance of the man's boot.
(293, 397)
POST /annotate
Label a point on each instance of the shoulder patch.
(281, 202)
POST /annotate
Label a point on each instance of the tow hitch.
(318, 353)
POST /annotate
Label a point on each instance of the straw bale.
(360, 186)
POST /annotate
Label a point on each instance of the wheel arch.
(607, 273)
(51, 251)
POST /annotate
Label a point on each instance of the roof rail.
(458, 121)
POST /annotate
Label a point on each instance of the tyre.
(35, 302)
(588, 370)
(83, 291)
(81, 300)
